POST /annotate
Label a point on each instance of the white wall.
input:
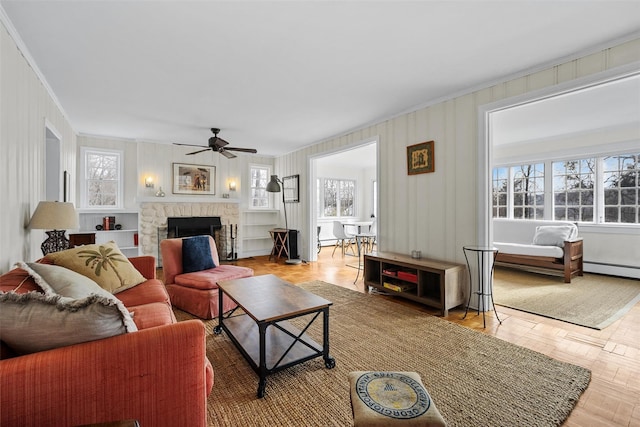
(437, 212)
(25, 106)
(157, 160)
(144, 159)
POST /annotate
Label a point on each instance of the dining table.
(359, 225)
(358, 237)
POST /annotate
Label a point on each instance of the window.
(259, 178)
(101, 183)
(621, 176)
(528, 191)
(347, 196)
(591, 190)
(500, 187)
(525, 185)
(337, 197)
(573, 190)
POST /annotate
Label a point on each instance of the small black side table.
(482, 254)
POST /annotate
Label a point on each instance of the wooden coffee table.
(260, 329)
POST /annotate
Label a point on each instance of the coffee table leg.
(329, 361)
(218, 328)
(262, 383)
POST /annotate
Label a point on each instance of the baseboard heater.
(631, 271)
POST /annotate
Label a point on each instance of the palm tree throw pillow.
(102, 263)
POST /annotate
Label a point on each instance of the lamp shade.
(54, 216)
(273, 186)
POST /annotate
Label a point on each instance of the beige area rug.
(593, 300)
(473, 379)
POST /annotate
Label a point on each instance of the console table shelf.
(438, 284)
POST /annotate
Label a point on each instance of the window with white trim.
(500, 190)
(259, 176)
(336, 197)
(101, 182)
(573, 190)
(598, 190)
(528, 191)
(621, 177)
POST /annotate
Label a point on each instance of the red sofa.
(159, 375)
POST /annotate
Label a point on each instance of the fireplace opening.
(187, 226)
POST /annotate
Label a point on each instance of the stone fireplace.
(153, 222)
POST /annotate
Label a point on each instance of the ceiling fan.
(220, 145)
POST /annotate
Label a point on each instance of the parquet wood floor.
(612, 355)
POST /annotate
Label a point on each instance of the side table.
(279, 239)
(485, 257)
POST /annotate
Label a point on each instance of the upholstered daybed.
(551, 245)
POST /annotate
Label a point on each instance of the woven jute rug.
(473, 379)
(592, 300)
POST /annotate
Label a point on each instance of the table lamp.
(58, 217)
(273, 186)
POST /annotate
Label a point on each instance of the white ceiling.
(279, 75)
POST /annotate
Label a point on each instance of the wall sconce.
(148, 182)
(232, 186)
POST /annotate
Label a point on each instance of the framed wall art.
(194, 179)
(420, 158)
(291, 188)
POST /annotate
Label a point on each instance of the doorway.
(357, 163)
(581, 123)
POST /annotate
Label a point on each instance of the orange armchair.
(197, 292)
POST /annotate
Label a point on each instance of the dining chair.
(369, 237)
(342, 238)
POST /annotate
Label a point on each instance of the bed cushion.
(531, 250)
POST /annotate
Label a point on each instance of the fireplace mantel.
(186, 199)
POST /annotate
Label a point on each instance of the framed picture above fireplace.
(194, 179)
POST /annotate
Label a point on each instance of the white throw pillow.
(553, 235)
(82, 311)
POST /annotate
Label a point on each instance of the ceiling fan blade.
(244, 150)
(188, 145)
(199, 151)
(226, 153)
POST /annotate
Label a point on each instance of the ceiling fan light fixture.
(219, 145)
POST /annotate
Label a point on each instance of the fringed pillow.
(82, 311)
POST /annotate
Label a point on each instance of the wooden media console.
(434, 283)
